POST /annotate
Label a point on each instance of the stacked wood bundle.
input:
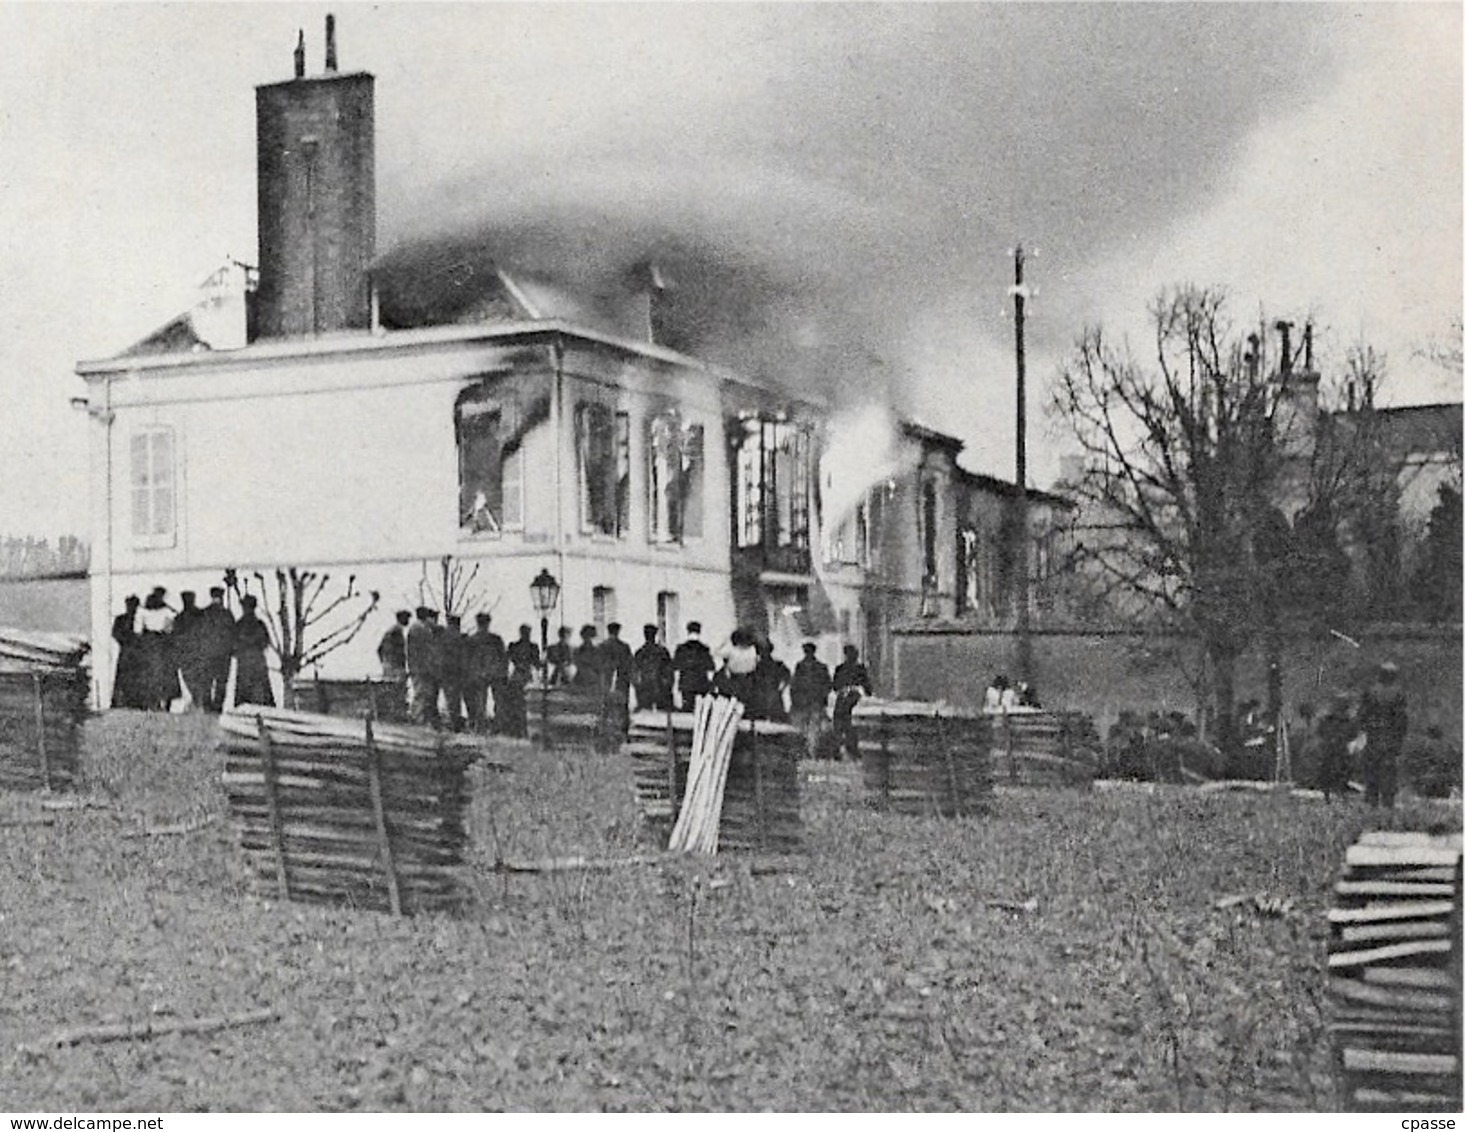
(353, 699)
(26, 650)
(713, 733)
(367, 814)
(1031, 747)
(1394, 974)
(760, 801)
(43, 694)
(924, 759)
(574, 715)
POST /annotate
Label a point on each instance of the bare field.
(1063, 953)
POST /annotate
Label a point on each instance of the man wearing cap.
(1383, 718)
(252, 675)
(616, 665)
(488, 668)
(653, 673)
(392, 652)
(129, 688)
(422, 668)
(188, 648)
(809, 696)
(216, 647)
(692, 666)
(453, 667)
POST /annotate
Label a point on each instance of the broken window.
(154, 498)
(603, 459)
(773, 469)
(490, 462)
(674, 479)
(928, 531)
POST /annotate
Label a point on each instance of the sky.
(842, 184)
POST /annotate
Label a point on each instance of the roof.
(1411, 430)
(984, 482)
(175, 337)
(931, 436)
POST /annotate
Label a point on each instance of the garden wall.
(1103, 673)
(52, 605)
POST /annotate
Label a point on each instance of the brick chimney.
(317, 200)
(1296, 420)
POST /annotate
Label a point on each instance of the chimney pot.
(330, 45)
(300, 55)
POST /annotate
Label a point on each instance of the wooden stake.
(267, 760)
(958, 803)
(373, 762)
(758, 828)
(41, 730)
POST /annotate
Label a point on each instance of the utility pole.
(1019, 294)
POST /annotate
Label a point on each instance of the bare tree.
(455, 589)
(1181, 464)
(307, 618)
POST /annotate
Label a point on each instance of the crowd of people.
(449, 679)
(167, 654)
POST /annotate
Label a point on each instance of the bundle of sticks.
(330, 811)
(41, 712)
(1031, 747)
(923, 759)
(713, 733)
(1394, 973)
(760, 800)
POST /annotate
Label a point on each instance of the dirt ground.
(1063, 953)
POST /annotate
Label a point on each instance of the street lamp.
(545, 592)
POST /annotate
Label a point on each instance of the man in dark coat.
(129, 688)
(770, 678)
(422, 668)
(392, 652)
(851, 682)
(453, 666)
(523, 657)
(692, 667)
(488, 668)
(616, 666)
(216, 645)
(252, 674)
(809, 696)
(188, 648)
(1383, 717)
(561, 658)
(653, 673)
(587, 674)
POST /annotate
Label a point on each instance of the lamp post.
(545, 593)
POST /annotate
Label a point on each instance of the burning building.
(380, 416)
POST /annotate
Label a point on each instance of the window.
(602, 609)
(490, 462)
(928, 529)
(773, 484)
(603, 450)
(668, 616)
(154, 494)
(977, 589)
(674, 478)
